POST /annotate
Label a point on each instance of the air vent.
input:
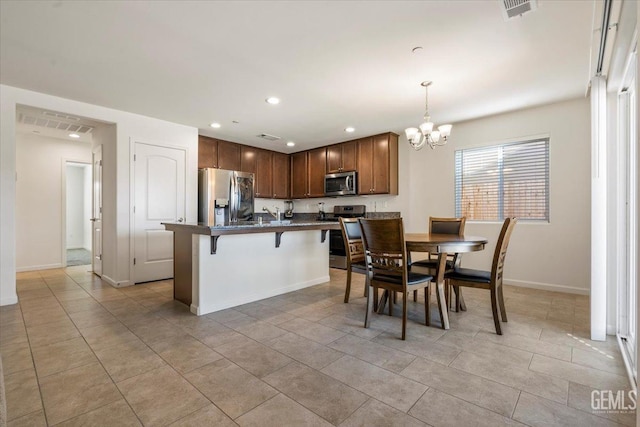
(60, 116)
(268, 137)
(54, 124)
(512, 8)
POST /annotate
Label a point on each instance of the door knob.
(93, 219)
(180, 219)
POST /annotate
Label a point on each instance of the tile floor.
(78, 352)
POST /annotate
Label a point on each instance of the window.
(501, 181)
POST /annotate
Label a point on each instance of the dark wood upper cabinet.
(378, 164)
(334, 158)
(350, 156)
(264, 174)
(281, 175)
(317, 170)
(207, 152)
(342, 157)
(248, 159)
(299, 177)
(365, 165)
(229, 155)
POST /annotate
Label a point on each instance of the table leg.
(442, 266)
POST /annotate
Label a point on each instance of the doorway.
(78, 241)
(627, 207)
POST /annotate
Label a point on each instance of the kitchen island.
(218, 267)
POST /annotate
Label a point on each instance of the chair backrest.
(385, 247)
(351, 234)
(447, 225)
(500, 253)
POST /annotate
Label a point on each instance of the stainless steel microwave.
(341, 184)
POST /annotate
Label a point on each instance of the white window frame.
(501, 215)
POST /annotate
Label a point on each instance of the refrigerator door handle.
(233, 205)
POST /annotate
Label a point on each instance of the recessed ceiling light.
(290, 144)
(215, 125)
(349, 129)
(74, 135)
(273, 100)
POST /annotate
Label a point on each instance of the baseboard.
(245, 299)
(546, 286)
(9, 300)
(115, 284)
(38, 267)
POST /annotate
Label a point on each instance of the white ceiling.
(334, 63)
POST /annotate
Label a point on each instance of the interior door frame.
(97, 151)
(132, 192)
(63, 216)
(625, 215)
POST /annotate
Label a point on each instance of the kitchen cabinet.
(377, 161)
(260, 163)
(207, 152)
(248, 159)
(229, 155)
(264, 174)
(317, 164)
(281, 169)
(308, 169)
(342, 157)
(299, 177)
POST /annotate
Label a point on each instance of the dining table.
(443, 245)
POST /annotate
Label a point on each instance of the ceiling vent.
(50, 123)
(268, 137)
(512, 8)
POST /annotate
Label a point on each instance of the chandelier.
(425, 135)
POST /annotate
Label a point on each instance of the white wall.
(41, 163)
(117, 265)
(75, 195)
(554, 255)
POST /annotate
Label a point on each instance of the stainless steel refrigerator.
(224, 197)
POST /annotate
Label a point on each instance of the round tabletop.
(443, 243)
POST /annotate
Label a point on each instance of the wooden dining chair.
(387, 268)
(453, 226)
(354, 249)
(491, 280)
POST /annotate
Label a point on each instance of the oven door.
(337, 251)
(336, 243)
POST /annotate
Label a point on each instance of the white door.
(627, 213)
(160, 192)
(96, 212)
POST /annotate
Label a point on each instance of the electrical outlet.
(385, 205)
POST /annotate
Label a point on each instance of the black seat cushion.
(359, 266)
(413, 279)
(431, 263)
(469, 275)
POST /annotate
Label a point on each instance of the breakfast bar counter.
(218, 267)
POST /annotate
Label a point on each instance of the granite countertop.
(247, 227)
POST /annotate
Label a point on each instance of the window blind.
(500, 181)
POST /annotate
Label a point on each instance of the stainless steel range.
(337, 250)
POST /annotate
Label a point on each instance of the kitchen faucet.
(275, 215)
